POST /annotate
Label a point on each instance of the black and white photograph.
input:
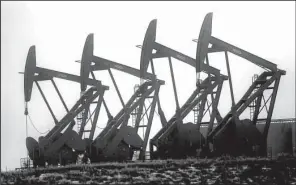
(148, 92)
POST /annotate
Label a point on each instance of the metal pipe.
(174, 84)
(229, 76)
(116, 87)
(46, 102)
(60, 96)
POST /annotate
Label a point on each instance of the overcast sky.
(59, 30)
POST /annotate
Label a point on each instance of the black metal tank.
(279, 138)
(239, 138)
(184, 141)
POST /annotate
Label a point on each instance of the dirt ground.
(238, 171)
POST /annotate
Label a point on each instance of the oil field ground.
(255, 171)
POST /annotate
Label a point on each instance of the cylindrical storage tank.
(237, 139)
(183, 141)
(279, 137)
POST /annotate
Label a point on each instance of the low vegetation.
(224, 170)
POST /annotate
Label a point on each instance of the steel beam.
(149, 124)
(46, 102)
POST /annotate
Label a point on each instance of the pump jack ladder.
(199, 96)
(104, 141)
(255, 92)
(50, 145)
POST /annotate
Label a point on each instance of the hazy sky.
(59, 30)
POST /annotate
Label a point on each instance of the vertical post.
(230, 79)
(149, 124)
(46, 102)
(60, 96)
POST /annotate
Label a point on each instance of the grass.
(223, 170)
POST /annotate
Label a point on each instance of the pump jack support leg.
(78, 107)
(215, 109)
(247, 98)
(124, 114)
(46, 102)
(98, 108)
(110, 117)
(149, 124)
(114, 123)
(188, 109)
(160, 112)
(270, 111)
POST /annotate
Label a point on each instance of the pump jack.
(234, 136)
(175, 139)
(117, 140)
(57, 147)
